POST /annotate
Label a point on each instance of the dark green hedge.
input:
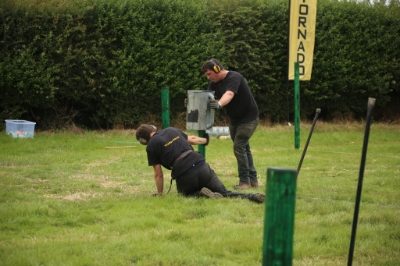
(356, 57)
(102, 64)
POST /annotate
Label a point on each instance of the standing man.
(171, 148)
(233, 95)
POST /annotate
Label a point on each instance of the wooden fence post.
(279, 216)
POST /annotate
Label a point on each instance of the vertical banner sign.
(303, 14)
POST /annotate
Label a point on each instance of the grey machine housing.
(199, 116)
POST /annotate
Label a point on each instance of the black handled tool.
(317, 112)
(370, 107)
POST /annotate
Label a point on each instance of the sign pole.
(296, 106)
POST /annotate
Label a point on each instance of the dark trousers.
(240, 135)
(197, 177)
(201, 175)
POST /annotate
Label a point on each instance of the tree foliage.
(100, 64)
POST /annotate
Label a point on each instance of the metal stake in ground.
(370, 107)
(317, 112)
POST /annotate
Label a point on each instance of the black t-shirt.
(243, 107)
(167, 145)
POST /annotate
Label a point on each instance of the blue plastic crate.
(20, 128)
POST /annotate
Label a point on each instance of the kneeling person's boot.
(206, 192)
(257, 197)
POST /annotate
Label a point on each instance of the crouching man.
(171, 148)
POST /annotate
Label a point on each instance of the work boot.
(254, 184)
(242, 185)
(258, 197)
(209, 194)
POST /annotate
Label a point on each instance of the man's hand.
(214, 104)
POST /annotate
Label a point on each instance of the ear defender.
(143, 133)
(142, 141)
(213, 65)
(216, 68)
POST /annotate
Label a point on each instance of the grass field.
(85, 199)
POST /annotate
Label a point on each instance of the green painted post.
(279, 216)
(165, 107)
(202, 147)
(296, 106)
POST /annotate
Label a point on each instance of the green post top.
(279, 216)
(280, 170)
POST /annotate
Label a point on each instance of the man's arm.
(195, 140)
(226, 98)
(158, 178)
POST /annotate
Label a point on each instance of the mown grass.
(84, 199)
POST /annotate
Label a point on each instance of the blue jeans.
(240, 135)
